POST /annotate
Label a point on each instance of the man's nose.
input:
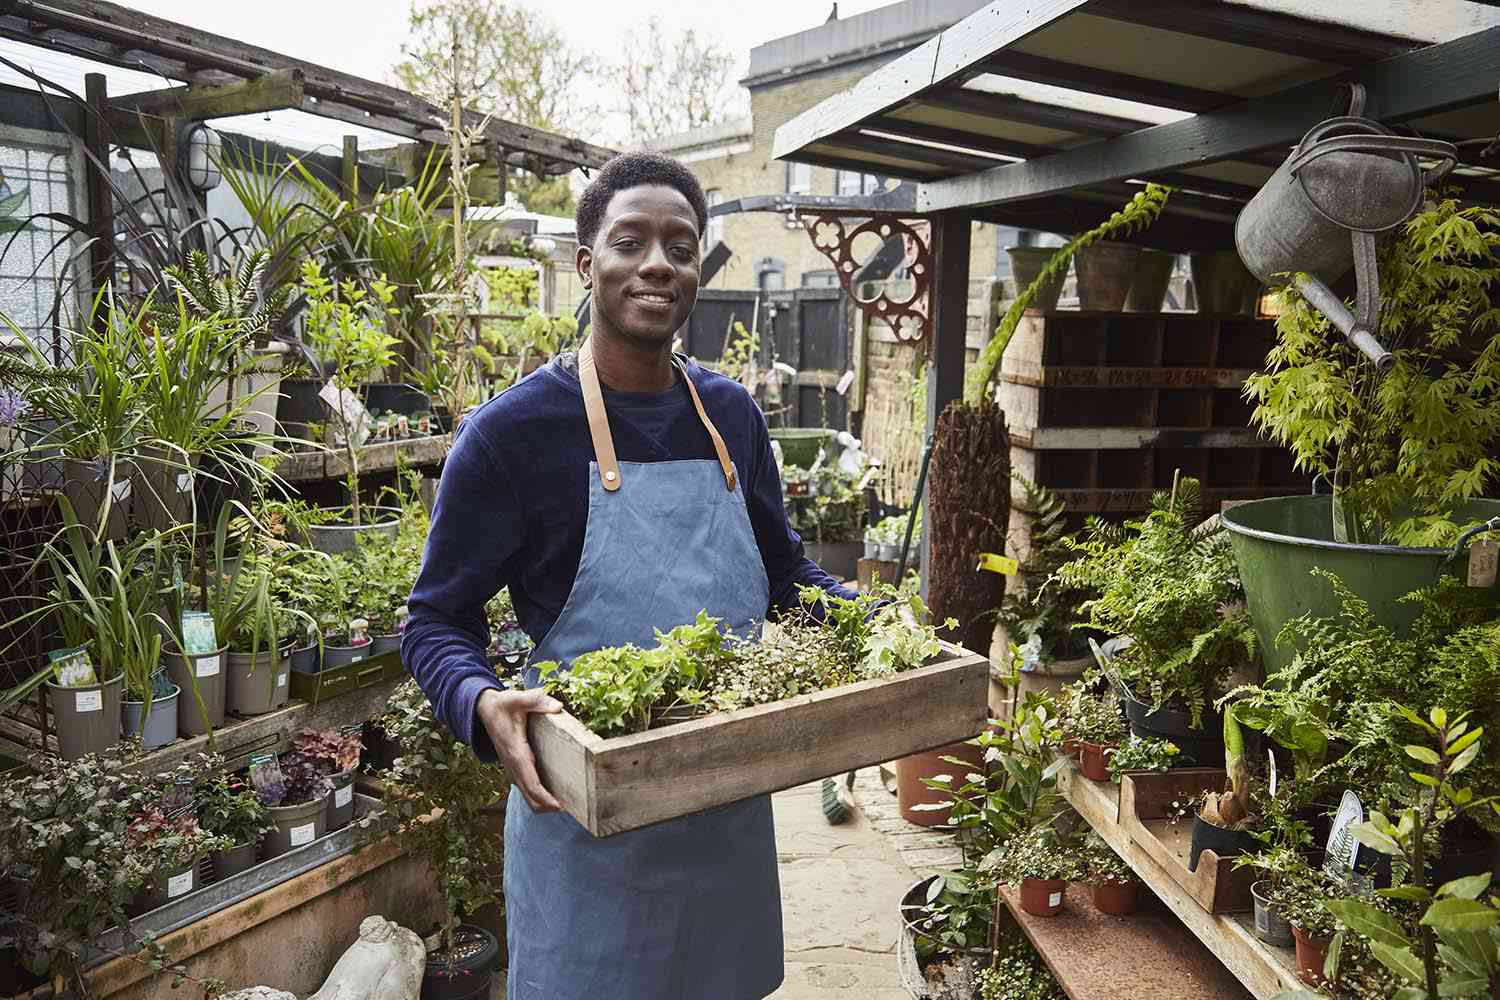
(656, 262)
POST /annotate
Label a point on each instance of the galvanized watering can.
(1348, 179)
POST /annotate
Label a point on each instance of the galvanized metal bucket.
(1348, 179)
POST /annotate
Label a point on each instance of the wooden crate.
(625, 782)
(1145, 811)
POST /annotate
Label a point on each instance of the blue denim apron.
(687, 909)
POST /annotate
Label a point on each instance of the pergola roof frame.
(119, 36)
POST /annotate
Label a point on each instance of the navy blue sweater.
(512, 506)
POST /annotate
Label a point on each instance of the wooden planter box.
(1145, 807)
(626, 782)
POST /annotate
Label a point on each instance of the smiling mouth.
(653, 298)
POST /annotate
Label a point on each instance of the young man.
(615, 492)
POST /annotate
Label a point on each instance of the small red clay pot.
(1042, 897)
(1115, 898)
(1092, 761)
(1312, 952)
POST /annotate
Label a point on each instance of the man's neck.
(629, 365)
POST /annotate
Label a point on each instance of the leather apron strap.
(604, 442)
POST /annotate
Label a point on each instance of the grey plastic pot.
(235, 860)
(204, 683)
(872, 549)
(889, 551)
(340, 804)
(339, 656)
(156, 725)
(257, 683)
(1153, 273)
(86, 496)
(1026, 263)
(1106, 271)
(1270, 926)
(385, 643)
(335, 538)
(305, 659)
(171, 886)
(86, 719)
(295, 826)
(163, 493)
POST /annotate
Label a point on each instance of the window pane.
(848, 182)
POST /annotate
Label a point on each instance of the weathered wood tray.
(1145, 811)
(619, 784)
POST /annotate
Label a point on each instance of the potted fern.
(1411, 454)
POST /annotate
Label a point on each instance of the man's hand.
(504, 714)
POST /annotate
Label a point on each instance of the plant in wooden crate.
(1454, 949)
(1095, 726)
(445, 803)
(1041, 863)
(345, 325)
(1137, 214)
(1173, 592)
(1113, 884)
(1139, 753)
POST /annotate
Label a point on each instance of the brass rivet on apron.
(610, 476)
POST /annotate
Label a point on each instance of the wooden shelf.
(1263, 970)
(311, 466)
(1094, 955)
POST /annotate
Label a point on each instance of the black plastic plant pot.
(396, 397)
(465, 971)
(235, 860)
(1202, 746)
(300, 405)
(1224, 843)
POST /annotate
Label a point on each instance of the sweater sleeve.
(475, 530)
(787, 565)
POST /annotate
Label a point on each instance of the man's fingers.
(524, 776)
(537, 700)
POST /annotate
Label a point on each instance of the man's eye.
(626, 243)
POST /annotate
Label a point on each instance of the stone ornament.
(386, 963)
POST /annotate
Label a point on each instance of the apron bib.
(688, 909)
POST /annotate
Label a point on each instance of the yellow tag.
(998, 564)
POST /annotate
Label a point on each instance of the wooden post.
(950, 322)
(101, 204)
(349, 169)
(503, 180)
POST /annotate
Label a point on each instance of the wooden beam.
(270, 92)
(1010, 108)
(1425, 81)
(954, 52)
(941, 160)
(949, 305)
(121, 36)
(1272, 31)
(96, 183)
(1094, 80)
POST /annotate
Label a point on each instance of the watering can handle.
(1384, 144)
(1493, 524)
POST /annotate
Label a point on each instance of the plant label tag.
(845, 381)
(1055, 899)
(198, 634)
(351, 411)
(302, 834)
(343, 796)
(998, 564)
(120, 491)
(207, 666)
(1484, 557)
(88, 701)
(71, 667)
(1342, 849)
(1262, 920)
(184, 482)
(180, 884)
(356, 657)
(281, 679)
(1271, 758)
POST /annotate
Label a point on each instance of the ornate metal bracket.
(908, 318)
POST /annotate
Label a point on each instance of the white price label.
(281, 680)
(180, 885)
(184, 482)
(343, 796)
(356, 657)
(120, 491)
(302, 834)
(207, 666)
(348, 406)
(89, 701)
(1055, 899)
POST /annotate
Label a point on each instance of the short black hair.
(630, 170)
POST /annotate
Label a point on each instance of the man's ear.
(583, 263)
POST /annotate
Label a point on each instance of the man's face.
(643, 266)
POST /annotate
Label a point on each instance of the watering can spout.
(1321, 298)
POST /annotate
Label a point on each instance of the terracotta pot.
(1118, 899)
(1092, 760)
(1106, 271)
(911, 770)
(1043, 897)
(1312, 952)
